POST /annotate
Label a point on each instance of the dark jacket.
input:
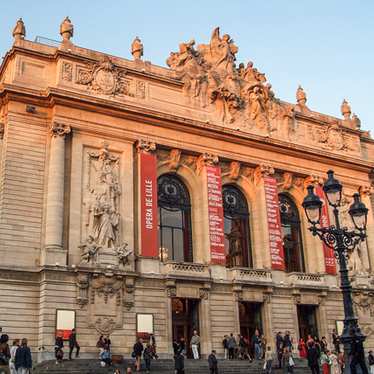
(212, 361)
(59, 343)
(4, 353)
(313, 356)
(279, 342)
(23, 358)
(287, 341)
(179, 362)
(147, 354)
(73, 340)
(138, 349)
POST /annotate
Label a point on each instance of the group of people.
(15, 359)
(244, 348)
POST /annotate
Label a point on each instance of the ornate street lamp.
(342, 241)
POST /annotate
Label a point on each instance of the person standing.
(13, 351)
(179, 363)
(323, 344)
(279, 342)
(4, 353)
(325, 362)
(335, 367)
(256, 341)
(287, 361)
(73, 343)
(152, 342)
(336, 341)
(147, 355)
(313, 357)
(371, 362)
(302, 348)
(195, 343)
(213, 363)
(225, 347)
(287, 341)
(231, 343)
(268, 360)
(23, 359)
(138, 350)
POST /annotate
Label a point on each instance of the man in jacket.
(23, 359)
(213, 363)
(73, 343)
(313, 358)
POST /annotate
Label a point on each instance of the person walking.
(13, 350)
(137, 353)
(371, 361)
(147, 356)
(73, 343)
(313, 357)
(357, 355)
(268, 360)
(287, 361)
(4, 354)
(213, 363)
(195, 343)
(256, 341)
(23, 359)
(231, 343)
(59, 353)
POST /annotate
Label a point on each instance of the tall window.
(236, 225)
(174, 219)
(292, 243)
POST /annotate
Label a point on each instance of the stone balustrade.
(186, 269)
(306, 279)
(250, 275)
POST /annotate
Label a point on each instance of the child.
(268, 360)
(147, 355)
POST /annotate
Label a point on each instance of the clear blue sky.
(324, 45)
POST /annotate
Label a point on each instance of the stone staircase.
(160, 367)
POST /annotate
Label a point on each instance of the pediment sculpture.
(210, 76)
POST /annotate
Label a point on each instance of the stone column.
(205, 328)
(54, 222)
(366, 198)
(267, 317)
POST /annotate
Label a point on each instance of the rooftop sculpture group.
(210, 75)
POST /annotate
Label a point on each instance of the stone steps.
(159, 367)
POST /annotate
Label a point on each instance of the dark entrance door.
(307, 321)
(250, 318)
(185, 319)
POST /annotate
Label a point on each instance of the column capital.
(206, 159)
(261, 171)
(59, 129)
(145, 146)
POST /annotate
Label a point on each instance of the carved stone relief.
(106, 78)
(102, 222)
(67, 71)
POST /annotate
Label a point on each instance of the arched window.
(236, 226)
(174, 219)
(292, 243)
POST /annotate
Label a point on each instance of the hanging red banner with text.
(274, 224)
(215, 212)
(148, 204)
(328, 252)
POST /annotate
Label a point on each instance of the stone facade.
(72, 122)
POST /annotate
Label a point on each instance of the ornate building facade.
(131, 190)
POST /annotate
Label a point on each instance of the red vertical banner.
(148, 204)
(328, 252)
(274, 224)
(215, 213)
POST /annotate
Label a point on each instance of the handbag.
(133, 354)
(264, 367)
(291, 362)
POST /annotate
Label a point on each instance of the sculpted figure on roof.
(209, 74)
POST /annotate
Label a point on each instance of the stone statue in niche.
(124, 254)
(104, 217)
(235, 245)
